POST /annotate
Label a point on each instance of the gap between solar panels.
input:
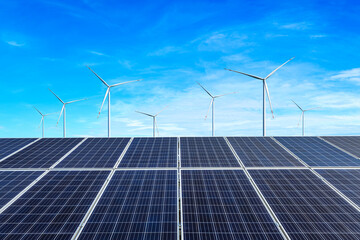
(262, 198)
(319, 176)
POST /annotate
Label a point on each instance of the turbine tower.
(302, 116)
(265, 91)
(108, 95)
(64, 110)
(42, 119)
(213, 107)
(154, 120)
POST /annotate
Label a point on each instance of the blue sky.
(171, 45)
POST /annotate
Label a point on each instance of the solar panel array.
(350, 144)
(95, 153)
(316, 152)
(10, 145)
(180, 188)
(262, 152)
(206, 152)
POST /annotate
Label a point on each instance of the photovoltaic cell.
(95, 153)
(10, 145)
(136, 205)
(206, 152)
(222, 204)
(151, 152)
(316, 152)
(306, 206)
(345, 180)
(262, 152)
(13, 182)
(42, 154)
(54, 207)
(350, 144)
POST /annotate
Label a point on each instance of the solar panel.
(222, 204)
(95, 153)
(345, 180)
(54, 207)
(136, 205)
(262, 152)
(306, 206)
(350, 144)
(316, 152)
(10, 145)
(206, 152)
(13, 182)
(42, 154)
(151, 152)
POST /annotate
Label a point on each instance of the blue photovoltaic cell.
(10, 145)
(222, 204)
(95, 153)
(350, 144)
(206, 152)
(262, 152)
(345, 180)
(136, 205)
(13, 182)
(151, 152)
(42, 154)
(306, 206)
(54, 207)
(316, 152)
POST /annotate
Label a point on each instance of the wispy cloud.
(97, 53)
(221, 41)
(15, 44)
(166, 50)
(352, 75)
(296, 26)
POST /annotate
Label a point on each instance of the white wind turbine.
(302, 116)
(154, 120)
(42, 119)
(265, 91)
(64, 110)
(108, 95)
(213, 107)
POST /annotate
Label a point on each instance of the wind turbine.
(64, 110)
(154, 120)
(213, 107)
(108, 94)
(42, 119)
(302, 116)
(265, 91)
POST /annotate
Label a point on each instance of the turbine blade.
(311, 109)
(157, 128)
(98, 76)
(278, 68)
(301, 115)
(42, 118)
(268, 95)
(225, 94)
(161, 110)
(253, 76)
(145, 114)
(125, 82)
(62, 109)
(297, 105)
(205, 90)
(38, 111)
(107, 92)
(209, 108)
(77, 100)
(56, 96)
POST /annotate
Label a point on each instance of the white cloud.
(296, 26)
(15, 44)
(352, 75)
(97, 53)
(166, 50)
